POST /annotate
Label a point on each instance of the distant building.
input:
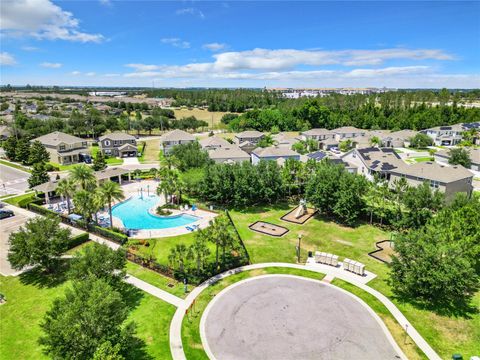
(63, 148)
(174, 138)
(118, 144)
(214, 142)
(445, 135)
(273, 153)
(348, 133)
(4, 132)
(107, 93)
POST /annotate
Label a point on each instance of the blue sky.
(240, 44)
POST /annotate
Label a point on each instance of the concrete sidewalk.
(153, 290)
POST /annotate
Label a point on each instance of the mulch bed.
(268, 228)
(290, 216)
(384, 251)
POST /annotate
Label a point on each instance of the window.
(106, 142)
(61, 147)
(115, 142)
(434, 184)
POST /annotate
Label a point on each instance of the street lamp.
(298, 247)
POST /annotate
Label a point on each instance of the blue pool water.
(134, 214)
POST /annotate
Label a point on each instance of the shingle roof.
(474, 154)
(117, 136)
(249, 134)
(233, 152)
(348, 130)
(274, 151)
(58, 137)
(380, 159)
(214, 141)
(433, 171)
(177, 135)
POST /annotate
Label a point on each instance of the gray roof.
(433, 171)
(58, 137)
(177, 135)
(117, 136)
(348, 130)
(379, 159)
(233, 152)
(213, 141)
(110, 172)
(403, 134)
(250, 134)
(456, 127)
(127, 146)
(274, 151)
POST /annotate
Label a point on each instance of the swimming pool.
(134, 214)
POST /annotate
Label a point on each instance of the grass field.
(152, 150)
(15, 166)
(212, 118)
(423, 159)
(29, 297)
(16, 199)
(109, 160)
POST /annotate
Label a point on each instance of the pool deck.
(133, 188)
(203, 222)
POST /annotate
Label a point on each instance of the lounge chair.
(189, 228)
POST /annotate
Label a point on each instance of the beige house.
(348, 133)
(443, 156)
(214, 142)
(317, 134)
(118, 144)
(174, 138)
(63, 148)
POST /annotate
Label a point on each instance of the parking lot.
(8, 226)
(12, 181)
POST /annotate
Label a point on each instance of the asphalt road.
(282, 318)
(12, 181)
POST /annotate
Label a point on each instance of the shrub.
(163, 212)
(78, 240)
(50, 167)
(109, 234)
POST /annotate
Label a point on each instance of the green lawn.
(446, 334)
(62, 167)
(108, 160)
(15, 200)
(160, 248)
(156, 279)
(423, 159)
(152, 151)
(14, 165)
(30, 298)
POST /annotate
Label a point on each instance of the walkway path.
(153, 290)
(176, 346)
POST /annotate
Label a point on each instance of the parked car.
(6, 214)
(86, 158)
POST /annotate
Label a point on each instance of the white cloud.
(91, 73)
(214, 46)
(51, 65)
(111, 75)
(176, 42)
(29, 48)
(190, 11)
(396, 70)
(7, 59)
(143, 67)
(105, 2)
(41, 19)
(75, 73)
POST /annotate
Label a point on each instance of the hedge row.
(107, 233)
(78, 240)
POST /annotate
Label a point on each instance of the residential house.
(174, 138)
(445, 135)
(443, 156)
(214, 142)
(252, 137)
(399, 138)
(317, 134)
(322, 155)
(228, 154)
(373, 161)
(276, 153)
(386, 164)
(284, 140)
(348, 133)
(447, 179)
(118, 144)
(63, 148)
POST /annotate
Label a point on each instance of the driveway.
(12, 181)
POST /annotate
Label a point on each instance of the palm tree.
(66, 188)
(111, 191)
(178, 255)
(199, 249)
(84, 176)
(375, 141)
(84, 204)
(98, 203)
